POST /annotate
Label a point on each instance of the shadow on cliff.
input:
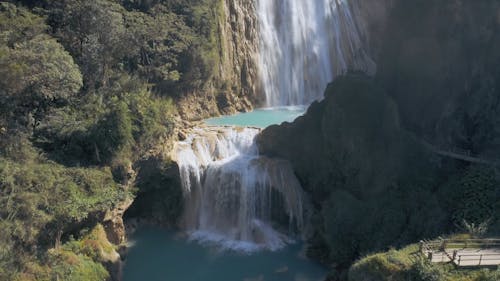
(373, 184)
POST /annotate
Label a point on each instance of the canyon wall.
(372, 17)
(359, 153)
(234, 86)
(238, 32)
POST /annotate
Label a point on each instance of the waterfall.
(233, 196)
(304, 45)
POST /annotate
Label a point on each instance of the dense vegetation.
(88, 89)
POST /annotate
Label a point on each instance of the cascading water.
(304, 44)
(235, 197)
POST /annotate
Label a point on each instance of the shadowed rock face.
(354, 130)
(440, 63)
(351, 155)
(438, 74)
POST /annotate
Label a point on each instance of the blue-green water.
(159, 255)
(259, 118)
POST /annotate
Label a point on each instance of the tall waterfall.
(235, 197)
(304, 44)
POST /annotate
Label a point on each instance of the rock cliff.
(357, 151)
(235, 84)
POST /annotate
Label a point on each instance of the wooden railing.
(460, 251)
(476, 260)
(440, 245)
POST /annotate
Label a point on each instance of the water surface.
(260, 118)
(159, 255)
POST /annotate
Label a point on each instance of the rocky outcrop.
(362, 170)
(352, 131)
(113, 222)
(357, 152)
(159, 196)
(372, 17)
(440, 63)
(441, 58)
(235, 85)
(239, 43)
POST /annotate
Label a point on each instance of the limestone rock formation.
(113, 222)
(239, 47)
(235, 85)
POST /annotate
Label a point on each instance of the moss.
(94, 244)
(67, 265)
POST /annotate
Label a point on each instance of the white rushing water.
(304, 45)
(233, 195)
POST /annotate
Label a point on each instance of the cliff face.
(235, 85)
(442, 59)
(239, 37)
(372, 17)
(352, 156)
(351, 132)
(357, 151)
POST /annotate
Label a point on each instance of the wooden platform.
(467, 257)
(463, 253)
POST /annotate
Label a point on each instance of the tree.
(37, 72)
(94, 32)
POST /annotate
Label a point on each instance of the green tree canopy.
(37, 73)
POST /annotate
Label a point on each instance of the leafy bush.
(40, 201)
(37, 73)
(424, 271)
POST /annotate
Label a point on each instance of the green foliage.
(129, 119)
(170, 45)
(31, 194)
(67, 265)
(37, 73)
(39, 200)
(89, 84)
(95, 34)
(113, 133)
(18, 25)
(472, 197)
(93, 244)
(424, 271)
(380, 267)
